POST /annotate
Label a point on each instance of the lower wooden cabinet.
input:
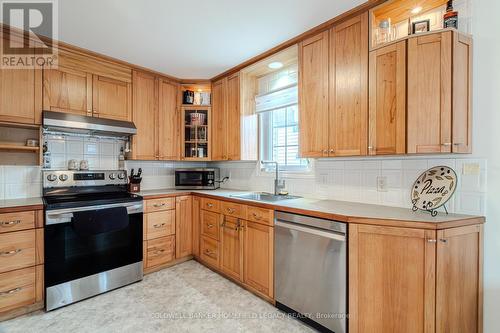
(231, 240)
(258, 256)
(160, 251)
(209, 251)
(414, 280)
(17, 288)
(196, 226)
(183, 226)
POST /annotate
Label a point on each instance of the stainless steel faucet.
(279, 184)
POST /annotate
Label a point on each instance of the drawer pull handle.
(209, 205)
(210, 253)
(257, 217)
(12, 291)
(10, 223)
(159, 205)
(230, 210)
(159, 251)
(210, 226)
(159, 225)
(10, 253)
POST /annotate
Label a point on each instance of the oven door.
(73, 252)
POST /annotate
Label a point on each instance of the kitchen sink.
(262, 196)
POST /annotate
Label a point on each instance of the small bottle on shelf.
(450, 17)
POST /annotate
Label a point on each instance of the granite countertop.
(332, 209)
(29, 203)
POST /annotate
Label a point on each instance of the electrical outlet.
(382, 184)
(471, 169)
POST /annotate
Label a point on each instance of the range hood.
(65, 122)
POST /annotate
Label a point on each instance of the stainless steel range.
(93, 235)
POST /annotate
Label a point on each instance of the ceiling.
(190, 39)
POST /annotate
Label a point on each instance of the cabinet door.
(462, 94)
(67, 90)
(387, 120)
(20, 95)
(313, 96)
(391, 279)
(168, 120)
(183, 226)
(459, 280)
(258, 258)
(233, 118)
(429, 93)
(349, 87)
(112, 99)
(145, 117)
(219, 120)
(196, 226)
(232, 248)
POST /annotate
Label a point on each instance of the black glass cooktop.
(72, 200)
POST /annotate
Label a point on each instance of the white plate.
(434, 188)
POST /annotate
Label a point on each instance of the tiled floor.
(184, 298)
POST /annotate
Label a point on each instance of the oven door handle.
(66, 215)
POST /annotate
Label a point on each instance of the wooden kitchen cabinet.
(231, 239)
(219, 121)
(387, 100)
(67, 90)
(333, 91)
(145, 116)
(411, 280)
(168, 120)
(183, 226)
(112, 99)
(348, 87)
(196, 226)
(439, 93)
(226, 119)
(313, 96)
(21, 96)
(258, 258)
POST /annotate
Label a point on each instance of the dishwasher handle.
(313, 231)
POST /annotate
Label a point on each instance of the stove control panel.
(55, 178)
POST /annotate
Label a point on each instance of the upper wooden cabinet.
(112, 99)
(226, 140)
(439, 93)
(145, 116)
(387, 106)
(67, 90)
(168, 120)
(409, 280)
(333, 91)
(313, 96)
(349, 87)
(156, 115)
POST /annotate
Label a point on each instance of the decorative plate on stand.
(433, 189)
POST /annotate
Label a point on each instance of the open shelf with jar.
(396, 20)
(196, 94)
(195, 133)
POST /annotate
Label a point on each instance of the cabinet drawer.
(160, 251)
(17, 221)
(210, 224)
(17, 288)
(260, 215)
(234, 209)
(155, 205)
(209, 251)
(210, 205)
(17, 250)
(159, 224)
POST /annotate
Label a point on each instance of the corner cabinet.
(156, 115)
(439, 93)
(333, 91)
(405, 280)
(226, 119)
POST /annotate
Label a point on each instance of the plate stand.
(433, 212)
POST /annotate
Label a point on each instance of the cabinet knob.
(446, 144)
(442, 240)
(332, 151)
(430, 240)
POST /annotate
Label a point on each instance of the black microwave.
(197, 179)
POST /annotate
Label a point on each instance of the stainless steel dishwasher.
(311, 270)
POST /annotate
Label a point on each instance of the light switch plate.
(471, 169)
(382, 184)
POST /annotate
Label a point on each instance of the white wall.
(485, 30)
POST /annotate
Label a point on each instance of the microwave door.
(189, 178)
